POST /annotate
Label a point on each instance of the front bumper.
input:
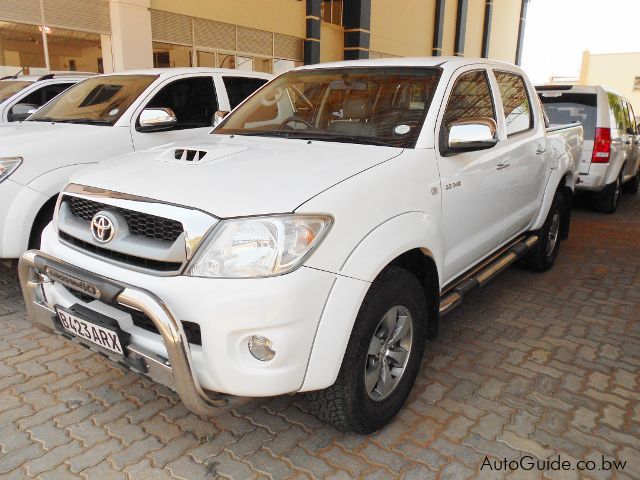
(287, 309)
(176, 372)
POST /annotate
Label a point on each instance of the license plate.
(104, 337)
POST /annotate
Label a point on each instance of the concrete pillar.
(130, 34)
(584, 68)
(107, 53)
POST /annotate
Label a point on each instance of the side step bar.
(486, 271)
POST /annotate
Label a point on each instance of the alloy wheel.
(388, 353)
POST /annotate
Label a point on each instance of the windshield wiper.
(89, 121)
(334, 137)
(326, 137)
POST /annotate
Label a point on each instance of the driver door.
(194, 102)
(474, 193)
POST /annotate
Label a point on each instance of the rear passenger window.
(239, 88)
(619, 117)
(517, 107)
(470, 99)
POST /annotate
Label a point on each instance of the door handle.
(540, 150)
(502, 166)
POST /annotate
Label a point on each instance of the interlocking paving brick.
(94, 455)
(534, 364)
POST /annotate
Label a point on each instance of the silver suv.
(610, 161)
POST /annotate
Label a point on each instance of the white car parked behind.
(20, 96)
(102, 117)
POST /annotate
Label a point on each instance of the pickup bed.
(95, 120)
(312, 241)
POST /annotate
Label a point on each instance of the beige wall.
(505, 23)
(402, 27)
(616, 71)
(332, 44)
(280, 16)
(449, 37)
(475, 28)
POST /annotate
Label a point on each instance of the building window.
(70, 50)
(636, 84)
(169, 55)
(21, 49)
(331, 11)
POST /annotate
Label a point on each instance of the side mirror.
(472, 134)
(21, 111)
(219, 116)
(154, 119)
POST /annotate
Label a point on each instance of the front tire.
(543, 255)
(382, 358)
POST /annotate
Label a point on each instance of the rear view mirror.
(21, 111)
(219, 116)
(472, 134)
(154, 119)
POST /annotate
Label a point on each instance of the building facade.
(617, 71)
(38, 36)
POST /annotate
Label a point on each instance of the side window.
(631, 127)
(46, 93)
(632, 119)
(193, 100)
(618, 115)
(239, 88)
(517, 107)
(469, 99)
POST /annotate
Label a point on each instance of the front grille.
(141, 224)
(122, 257)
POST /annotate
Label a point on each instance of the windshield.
(11, 87)
(369, 105)
(98, 100)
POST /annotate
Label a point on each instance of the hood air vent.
(187, 155)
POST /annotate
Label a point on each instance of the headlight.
(8, 166)
(259, 246)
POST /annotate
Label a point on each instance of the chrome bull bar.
(176, 373)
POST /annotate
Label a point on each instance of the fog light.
(261, 348)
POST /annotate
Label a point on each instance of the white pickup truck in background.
(311, 242)
(102, 117)
(22, 95)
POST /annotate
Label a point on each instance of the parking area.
(535, 365)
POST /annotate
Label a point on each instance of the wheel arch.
(44, 211)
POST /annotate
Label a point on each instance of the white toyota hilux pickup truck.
(311, 242)
(97, 119)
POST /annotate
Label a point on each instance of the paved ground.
(533, 365)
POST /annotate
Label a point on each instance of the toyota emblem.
(102, 228)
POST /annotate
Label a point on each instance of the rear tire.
(543, 255)
(609, 203)
(382, 358)
(633, 185)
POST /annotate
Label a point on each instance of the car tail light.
(601, 146)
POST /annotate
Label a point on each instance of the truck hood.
(47, 146)
(236, 176)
